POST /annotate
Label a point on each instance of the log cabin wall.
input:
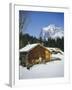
(38, 54)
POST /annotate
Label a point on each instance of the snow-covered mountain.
(51, 31)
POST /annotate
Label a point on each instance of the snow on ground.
(43, 71)
(51, 69)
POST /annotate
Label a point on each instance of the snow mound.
(43, 71)
(48, 70)
(54, 68)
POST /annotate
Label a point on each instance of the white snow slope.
(48, 70)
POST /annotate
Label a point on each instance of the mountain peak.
(51, 31)
(50, 27)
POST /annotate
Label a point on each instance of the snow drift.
(51, 69)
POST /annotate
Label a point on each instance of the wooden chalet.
(33, 54)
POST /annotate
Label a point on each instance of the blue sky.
(37, 20)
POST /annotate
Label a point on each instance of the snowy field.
(55, 68)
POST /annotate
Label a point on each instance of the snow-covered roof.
(51, 48)
(54, 49)
(28, 47)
